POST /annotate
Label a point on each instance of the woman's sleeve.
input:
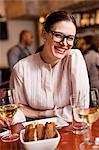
(79, 82)
(79, 77)
(17, 84)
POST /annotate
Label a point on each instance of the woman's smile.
(59, 49)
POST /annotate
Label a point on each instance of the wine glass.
(8, 111)
(78, 124)
(91, 116)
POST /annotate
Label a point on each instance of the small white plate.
(59, 122)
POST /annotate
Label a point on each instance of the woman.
(48, 78)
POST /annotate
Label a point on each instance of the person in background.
(91, 55)
(46, 80)
(20, 50)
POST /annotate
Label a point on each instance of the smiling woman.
(48, 78)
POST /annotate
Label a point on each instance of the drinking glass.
(78, 112)
(8, 111)
(91, 116)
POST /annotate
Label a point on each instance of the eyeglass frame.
(63, 37)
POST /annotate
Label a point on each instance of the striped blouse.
(41, 86)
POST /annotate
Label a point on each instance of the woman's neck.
(47, 59)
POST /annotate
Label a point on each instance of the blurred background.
(17, 15)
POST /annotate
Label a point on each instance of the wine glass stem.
(88, 137)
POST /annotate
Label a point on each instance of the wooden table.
(69, 141)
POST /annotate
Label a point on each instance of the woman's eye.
(71, 38)
(58, 35)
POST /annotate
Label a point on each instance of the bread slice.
(29, 133)
(40, 132)
(40, 129)
(50, 130)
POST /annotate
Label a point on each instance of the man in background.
(20, 50)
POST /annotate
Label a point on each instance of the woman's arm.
(79, 78)
(79, 83)
(33, 113)
(17, 88)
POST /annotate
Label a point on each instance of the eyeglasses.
(59, 37)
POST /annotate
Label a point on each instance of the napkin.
(18, 117)
(67, 113)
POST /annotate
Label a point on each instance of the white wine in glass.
(89, 116)
(78, 125)
(8, 111)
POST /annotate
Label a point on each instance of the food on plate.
(40, 132)
(29, 133)
(50, 130)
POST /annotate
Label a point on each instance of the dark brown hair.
(56, 17)
(53, 18)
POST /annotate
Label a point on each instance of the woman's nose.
(64, 42)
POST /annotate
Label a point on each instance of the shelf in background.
(91, 30)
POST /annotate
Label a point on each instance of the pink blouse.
(42, 87)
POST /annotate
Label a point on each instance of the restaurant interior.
(18, 15)
(30, 14)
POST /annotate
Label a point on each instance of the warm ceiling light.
(41, 19)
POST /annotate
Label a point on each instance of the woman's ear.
(44, 35)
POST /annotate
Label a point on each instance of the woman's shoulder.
(74, 55)
(30, 60)
(75, 52)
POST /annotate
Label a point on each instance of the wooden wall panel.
(14, 8)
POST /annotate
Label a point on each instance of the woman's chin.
(60, 55)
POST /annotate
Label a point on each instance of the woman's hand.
(51, 112)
